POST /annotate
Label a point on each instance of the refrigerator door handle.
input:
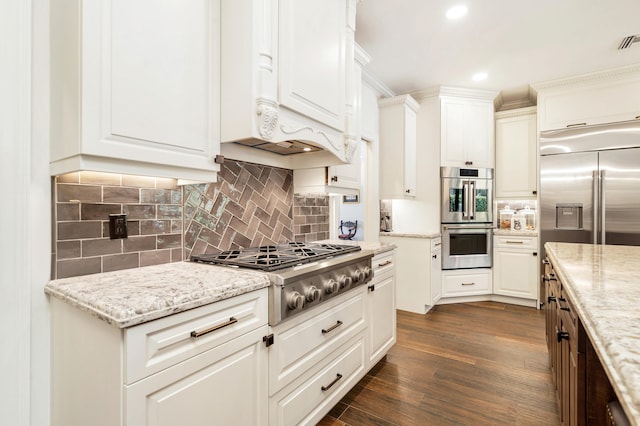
(603, 191)
(465, 199)
(595, 195)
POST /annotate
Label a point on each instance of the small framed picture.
(350, 199)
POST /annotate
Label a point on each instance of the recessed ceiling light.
(457, 12)
(479, 76)
(306, 148)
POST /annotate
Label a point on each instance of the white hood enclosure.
(287, 82)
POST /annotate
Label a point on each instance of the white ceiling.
(517, 42)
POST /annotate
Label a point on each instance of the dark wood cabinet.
(582, 387)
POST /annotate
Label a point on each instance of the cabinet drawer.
(466, 284)
(156, 345)
(383, 263)
(305, 402)
(515, 242)
(300, 343)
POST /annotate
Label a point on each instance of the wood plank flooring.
(483, 363)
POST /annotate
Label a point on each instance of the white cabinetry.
(515, 266)
(398, 147)
(597, 98)
(516, 153)
(467, 132)
(135, 87)
(158, 373)
(466, 282)
(286, 75)
(316, 359)
(436, 270)
(414, 278)
(381, 307)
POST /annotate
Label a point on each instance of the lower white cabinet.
(515, 266)
(436, 270)
(466, 282)
(381, 307)
(156, 373)
(415, 274)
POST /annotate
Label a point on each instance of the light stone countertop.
(375, 246)
(604, 284)
(408, 235)
(134, 296)
(531, 233)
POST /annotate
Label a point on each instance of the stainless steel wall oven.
(467, 217)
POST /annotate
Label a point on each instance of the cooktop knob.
(295, 300)
(312, 294)
(344, 281)
(367, 272)
(331, 286)
(357, 275)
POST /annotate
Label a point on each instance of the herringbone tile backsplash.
(250, 205)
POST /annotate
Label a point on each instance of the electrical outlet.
(117, 226)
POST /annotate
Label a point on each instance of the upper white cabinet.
(286, 75)
(398, 147)
(466, 127)
(135, 87)
(516, 153)
(597, 98)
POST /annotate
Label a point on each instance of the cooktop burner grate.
(274, 257)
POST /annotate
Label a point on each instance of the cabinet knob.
(468, 163)
(535, 253)
(435, 256)
(563, 335)
(534, 192)
(334, 178)
(408, 191)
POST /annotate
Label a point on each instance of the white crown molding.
(530, 100)
(362, 57)
(429, 92)
(460, 92)
(400, 100)
(516, 112)
(377, 85)
(610, 74)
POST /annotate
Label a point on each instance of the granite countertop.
(526, 233)
(375, 246)
(134, 296)
(409, 235)
(604, 284)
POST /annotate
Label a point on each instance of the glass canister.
(517, 222)
(505, 217)
(529, 218)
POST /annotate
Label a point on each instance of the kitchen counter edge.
(409, 235)
(134, 296)
(599, 280)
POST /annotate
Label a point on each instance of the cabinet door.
(226, 385)
(312, 58)
(515, 273)
(144, 99)
(436, 275)
(479, 137)
(382, 317)
(516, 156)
(453, 133)
(347, 175)
(410, 160)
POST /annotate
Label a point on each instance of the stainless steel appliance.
(467, 195)
(302, 275)
(467, 217)
(467, 245)
(590, 184)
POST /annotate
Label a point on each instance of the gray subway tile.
(77, 267)
(116, 194)
(102, 246)
(90, 211)
(82, 193)
(78, 230)
(118, 262)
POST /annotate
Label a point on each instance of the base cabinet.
(515, 266)
(466, 282)
(381, 307)
(582, 386)
(172, 378)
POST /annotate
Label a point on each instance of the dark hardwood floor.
(483, 363)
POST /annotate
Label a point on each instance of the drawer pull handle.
(326, 388)
(388, 262)
(333, 327)
(437, 244)
(232, 320)
(576, 124)
(468, 283)
(515, 242)
(562, 335)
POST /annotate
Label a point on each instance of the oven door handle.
(465, 199)
(446, 227)
(472, 199)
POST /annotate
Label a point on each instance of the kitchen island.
(603, 284)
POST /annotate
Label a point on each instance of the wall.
(250, 205)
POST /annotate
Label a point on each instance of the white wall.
(25, 246)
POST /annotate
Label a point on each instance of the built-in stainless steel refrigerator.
(590, 184)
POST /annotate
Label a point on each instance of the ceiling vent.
(628, 41)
